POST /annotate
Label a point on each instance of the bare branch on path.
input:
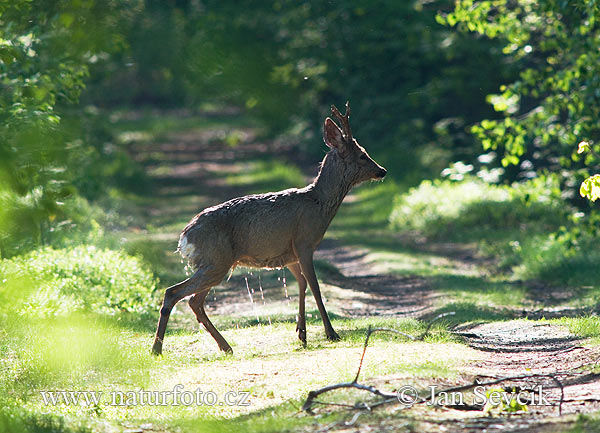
(394, 398)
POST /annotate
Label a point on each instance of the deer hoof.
(333, 336)
(227, 349)
(302, 336)
(157, 349)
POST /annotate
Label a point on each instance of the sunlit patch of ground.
(279, 377)
(267, 369)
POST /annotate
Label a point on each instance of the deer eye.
(363, 157)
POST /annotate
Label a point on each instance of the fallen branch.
(314, 394)
(310, 400)
(387, 398)
(394, 331)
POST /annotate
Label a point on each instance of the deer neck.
(331, 184)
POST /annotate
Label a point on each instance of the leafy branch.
(590, 187)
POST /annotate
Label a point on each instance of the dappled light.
(196, 146)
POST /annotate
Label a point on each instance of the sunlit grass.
(53, 282)
(265, 176)
(148, 124)
(82, 354)
(364, 213)
(585, 326)
(585, 424)
(484, 291)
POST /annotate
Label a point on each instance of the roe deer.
(272, 230)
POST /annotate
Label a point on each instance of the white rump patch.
(185, 249)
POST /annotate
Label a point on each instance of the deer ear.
(332, 135)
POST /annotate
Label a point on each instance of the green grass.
(585, 326)
(86, 354)
(455, 209)
(559, 259)
(585, 424)
(159, 254)
(472, 312)
(482, 291)
(56, 282)
(264, 176)
(363, 216)
(147, 124)
(16, 419)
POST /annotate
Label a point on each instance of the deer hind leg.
(196, 303)
(202, 280)
(301, 324)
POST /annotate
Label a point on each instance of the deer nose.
(382, 173)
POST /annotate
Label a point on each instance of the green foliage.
(25, 222)
(15, 419)
(590, 187)
(403, 78)
(559, 258)
(499, 400)
(49, 282)
(443, 207)
(44, 53)
(585, 424)
(554, 103)
(50, 152)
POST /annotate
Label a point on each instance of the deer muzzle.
(381, 173)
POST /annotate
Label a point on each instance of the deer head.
(358, 165)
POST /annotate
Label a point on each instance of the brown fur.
(272, 230)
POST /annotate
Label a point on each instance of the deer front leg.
(301, 324)
(305, 257)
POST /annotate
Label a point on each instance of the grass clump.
(585, 326)
(51, 282)
(561, 258)
(73, 316)
(527, 228)
(14, 419)
(63, 353)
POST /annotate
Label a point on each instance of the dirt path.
(509, 348)
(521, 347)
(191, 172)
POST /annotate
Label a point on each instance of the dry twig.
(310, 400)
(387, 398)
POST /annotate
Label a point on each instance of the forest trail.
(191, 170)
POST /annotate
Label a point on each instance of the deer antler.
(344, 120)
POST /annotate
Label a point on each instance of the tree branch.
(387, 398)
